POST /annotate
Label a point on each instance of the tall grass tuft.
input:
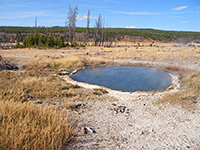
(26, 126)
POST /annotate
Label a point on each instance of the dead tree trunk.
(97, 30)
(72, 22)
(88, 26)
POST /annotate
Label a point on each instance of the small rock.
(122, 109)
(113, 104)
(88, 129)
(39, 102)
(63, 73)
(188, 146)
(77, 106)
(153, 131)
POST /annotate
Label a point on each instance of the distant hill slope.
(150, 34)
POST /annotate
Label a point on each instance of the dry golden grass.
(72, 58)
(68, 62)
(25, 86)
(188, 94)
(168, 54)
(27, 126)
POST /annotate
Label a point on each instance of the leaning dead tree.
(97, 34)
(72, 15)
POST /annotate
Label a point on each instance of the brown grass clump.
(27, 126)
(24, 86)
(172, 68)
(100, 91)
(189, 93)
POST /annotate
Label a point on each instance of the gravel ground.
(135, 122)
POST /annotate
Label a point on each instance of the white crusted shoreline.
(173, 88)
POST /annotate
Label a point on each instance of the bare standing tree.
(98, 30)
(72, 15)
(88, 26)
(102, 34)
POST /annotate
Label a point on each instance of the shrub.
(74, 44)
(82, 45)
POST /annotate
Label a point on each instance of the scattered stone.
(114, 104)
(188, 146)
(39, 102)
(120, 109)
(86, 130)
(153, 131)
(78, 106)
(64, 73)
(145, 133)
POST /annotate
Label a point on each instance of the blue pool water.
(125, 78)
